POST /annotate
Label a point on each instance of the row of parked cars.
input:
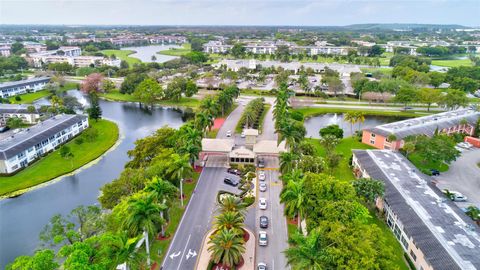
(262, 205)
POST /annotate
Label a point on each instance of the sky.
(239, 12)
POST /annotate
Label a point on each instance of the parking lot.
(463, 176)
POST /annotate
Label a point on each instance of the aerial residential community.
(247, 135)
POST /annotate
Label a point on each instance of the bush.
(334, 130)
(91, 134)
(18, 98)
(249, 200)
(79, 140)
(296, 115)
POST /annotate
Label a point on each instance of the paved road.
(463, 176)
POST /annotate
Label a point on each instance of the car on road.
(262, 203)
(465, 145)
(262, 238)
(229, 133)
(262, 266)
(230, 181)
(234, 171)
(435, 172)
(261, 163)
(243, 134)
(263, 222)
(455, 195)
(262, 187)
(261, 175)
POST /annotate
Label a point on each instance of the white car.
(262, 187)
(262, 266)
(465, 145)
(243, 134)
(262, 204)
(229, 133)
(456, 196)
(261, 176)
(262, 238)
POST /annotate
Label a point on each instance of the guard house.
(250, 137)
(242, 155)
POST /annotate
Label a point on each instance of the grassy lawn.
(183, 102)
(53, 165)
(452, 62)
(256, 92)
(426, 166)
(384, 71)
(31, 97)
(123, 55)
(177, 51)
(212, 134)
(309, 112)
(160, 247)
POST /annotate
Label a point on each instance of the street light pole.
(181, 191)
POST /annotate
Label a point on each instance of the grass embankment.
(344, 173)
(186, 48)
(53, 165)
(31, 97)
(160, 247)
(123, 55)
(183, 102)
(310, 112)
(452, 62)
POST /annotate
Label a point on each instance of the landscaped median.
(84, 150)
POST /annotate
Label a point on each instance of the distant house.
(458, 121)
(432, 230)
(18, 110)
(19, 149)
(8, 89)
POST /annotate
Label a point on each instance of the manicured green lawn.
(309, 112)
(344, 148)
(426, 166)
(31, 97)
(177, 51)
(123, 55)
(53, 165)
(452, 62)
(160, 247)
(183, 102)
(384, 71)
(256, 92)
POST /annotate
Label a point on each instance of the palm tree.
(293, 175)
(143, 215)
(230, 220)
(289, 133)
(192, 142)
(224, 101)
(164, 192)
(180, 168)
(121, 249)
(230, 203)
(473, 212)
(307, 252)
(360, 118)
(288, 161)
(351, 118)
(294, 197)
(203, 121)
(249, 116)
(226, 247)
(209, 105)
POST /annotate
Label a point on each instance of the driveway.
(463, 176)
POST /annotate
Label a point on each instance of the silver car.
(262, 187)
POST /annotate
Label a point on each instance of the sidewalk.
(248, 256)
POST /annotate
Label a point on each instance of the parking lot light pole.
(181, 191)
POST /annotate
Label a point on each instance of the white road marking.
(181, 259)
(191, 253)
(174, 255)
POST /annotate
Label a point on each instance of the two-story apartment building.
(8, 89)
(28, 113)
(392, 135)
(20, 149)
(431, 229)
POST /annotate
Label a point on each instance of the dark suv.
(434, 172)
(263, 222)
(230, 182)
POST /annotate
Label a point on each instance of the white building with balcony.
(8, 89)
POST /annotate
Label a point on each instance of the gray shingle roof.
(427, 124)
(446, 236)
(16, 108)
(7, 85)
(27, 138)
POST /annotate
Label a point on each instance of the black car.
(261, 163)
(230, 182)
(263, 222)
(233, 171)
(435, 172)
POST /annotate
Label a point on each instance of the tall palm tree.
(230, 203)
(226, 247)
(289, 132)
(288, 161)
(192, 142)
(307, 252)
(293, 175)
(164, 192)
(143, 216)
(250, 116)
(230, 220)
(203, 121)
(209, 105)
(351, 118)
(121, 249)
(360, 118)
(180, 167)
(294, 197)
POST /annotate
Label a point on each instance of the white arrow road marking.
(173, 255)
(191, 254)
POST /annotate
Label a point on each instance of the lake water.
(314, 124)
(145, 53)
(22, 218)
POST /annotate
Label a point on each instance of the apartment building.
(216, 47)
(28, 113)
(8, 89)
(458, 121)
(5, 50)
(20, 149)
(34, 47)
(71, 55)
(431, 229)
(167, 39)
